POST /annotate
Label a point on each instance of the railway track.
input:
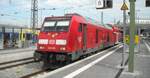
(42, 71)
(15, 63)
(35, 73)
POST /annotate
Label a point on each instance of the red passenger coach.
(118, 32)
(67, 38)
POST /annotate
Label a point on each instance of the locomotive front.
(52, 40)
(53, 35)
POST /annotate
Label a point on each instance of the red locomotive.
(67, 38)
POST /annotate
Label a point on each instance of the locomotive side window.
(80, 27)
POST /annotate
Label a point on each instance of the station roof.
(12, 26)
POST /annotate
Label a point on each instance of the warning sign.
(124, 7)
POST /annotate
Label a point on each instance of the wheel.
(45, 65)
(68, 59)
(45, 62)
(36, 59)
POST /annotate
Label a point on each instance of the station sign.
(99, 4)
(147, 3)
(104, 4)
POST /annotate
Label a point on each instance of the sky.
(18, 12)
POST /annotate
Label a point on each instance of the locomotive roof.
(90, 20)
(69, 16)
(108, 26)
(58, 18)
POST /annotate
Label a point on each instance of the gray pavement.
(142, 63)
(107, 68)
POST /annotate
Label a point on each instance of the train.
(69, 37)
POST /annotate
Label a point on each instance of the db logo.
(51, 41)
(79, 39)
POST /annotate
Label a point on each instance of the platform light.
(147, 3)
(103, 4)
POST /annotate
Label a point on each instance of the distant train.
(15, 37)
(67, 38)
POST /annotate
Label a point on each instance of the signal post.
(132, 35)
(124, 8)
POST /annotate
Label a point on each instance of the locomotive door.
(96, 36)
(84, 36)
(108, 40)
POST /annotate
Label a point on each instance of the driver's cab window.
(80, 27)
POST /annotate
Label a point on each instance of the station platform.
(106, 64)
(142, 63)
(7, 55)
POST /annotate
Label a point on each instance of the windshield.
(56, 26)
(62, 23)
(49, 23)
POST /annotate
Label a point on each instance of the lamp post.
(124, 8)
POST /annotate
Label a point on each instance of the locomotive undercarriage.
(53, 60)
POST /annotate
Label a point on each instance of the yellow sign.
(127, 39)
(124, 7)
(136, 39)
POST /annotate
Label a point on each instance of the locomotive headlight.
(62, 48)
(61, 42)
(53, 35)
(41, 47)
(43, 41)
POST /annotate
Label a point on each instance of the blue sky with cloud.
(18, 12)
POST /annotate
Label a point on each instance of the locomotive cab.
(53, 36)
(53, 40)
